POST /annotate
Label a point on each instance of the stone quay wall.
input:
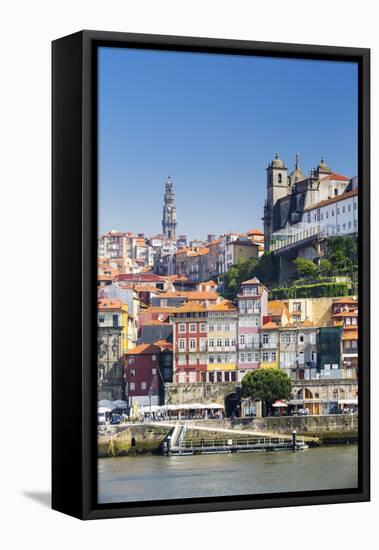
(324, 427)
(128, 439)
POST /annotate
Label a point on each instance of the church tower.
(169, 211)
(278, 186)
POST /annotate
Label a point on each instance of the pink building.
(252, 308)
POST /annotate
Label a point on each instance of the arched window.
(279, 178)
(307, 394)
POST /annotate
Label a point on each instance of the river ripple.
(149, 477)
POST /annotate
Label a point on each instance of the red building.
(190, 343)
(147, 368)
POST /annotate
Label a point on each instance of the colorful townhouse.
(298, 350)
(222, 343)
(345, 315)
(190, 343)
(146, 369)
(269, 345)
(112, 343)
(252, 308)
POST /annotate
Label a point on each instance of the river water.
(150, 477)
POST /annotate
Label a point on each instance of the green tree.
(305, 268)
(266, 269)
(238, 273)
(266, 385)
(342, 252)
(325, 268)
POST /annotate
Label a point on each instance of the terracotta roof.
(191, 295)
(269, 326)
(345, 301)
(336, 177)
(109, 304)
(346, 314)
(144, 349)
(146, 288)
(338, 198)
(255, 232)
(226, 305)
(158, 309)
(276, 307)
(139, 277)
(190, 307)
(163, 344)
(253, 281)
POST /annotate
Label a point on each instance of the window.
(301, 338)
(265, 356)
(219, 343)
(279, 178)
(233, 376)
(192, 359)
(164, 303)
(192, 344)
(227, 328)
(242, 357)
(192, 327)
(354, 321)
(101, 318)
(335, 192)
(203, 327)
(338, 211)
(233, 342)
(132, 372)
(293, 337)
(211, 344)
(211, 328)
(115, 320)
(226, 376)
(242, 339)
(143, 385)
(349, 207)
(203, 344)
(273, 356)
(332, 213)
(182, 377)
(313, 356)
(256, 356)
(355, 206)
(132, 386)
(153, 357)
(265, 338)
(249, 357)
(296, 307)
(227, 343)
(343, 210)
(312, 338)
(153, 371)
(301, 358)
(219, 328)
(211, 359)
(182, 344)
(182, 359)
(192, 376)
(182, 327)
(327, 214)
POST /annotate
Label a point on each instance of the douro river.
(149, 477)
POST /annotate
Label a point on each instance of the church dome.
(323, 167)
(277, 162)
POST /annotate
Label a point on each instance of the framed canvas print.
(210, 274)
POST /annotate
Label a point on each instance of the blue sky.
(213, 122)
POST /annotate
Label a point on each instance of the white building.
(334, 216)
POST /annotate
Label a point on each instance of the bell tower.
(278, 186)
(169, 211)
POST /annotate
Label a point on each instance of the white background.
(27, 27)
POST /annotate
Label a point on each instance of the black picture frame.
(74, 205)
